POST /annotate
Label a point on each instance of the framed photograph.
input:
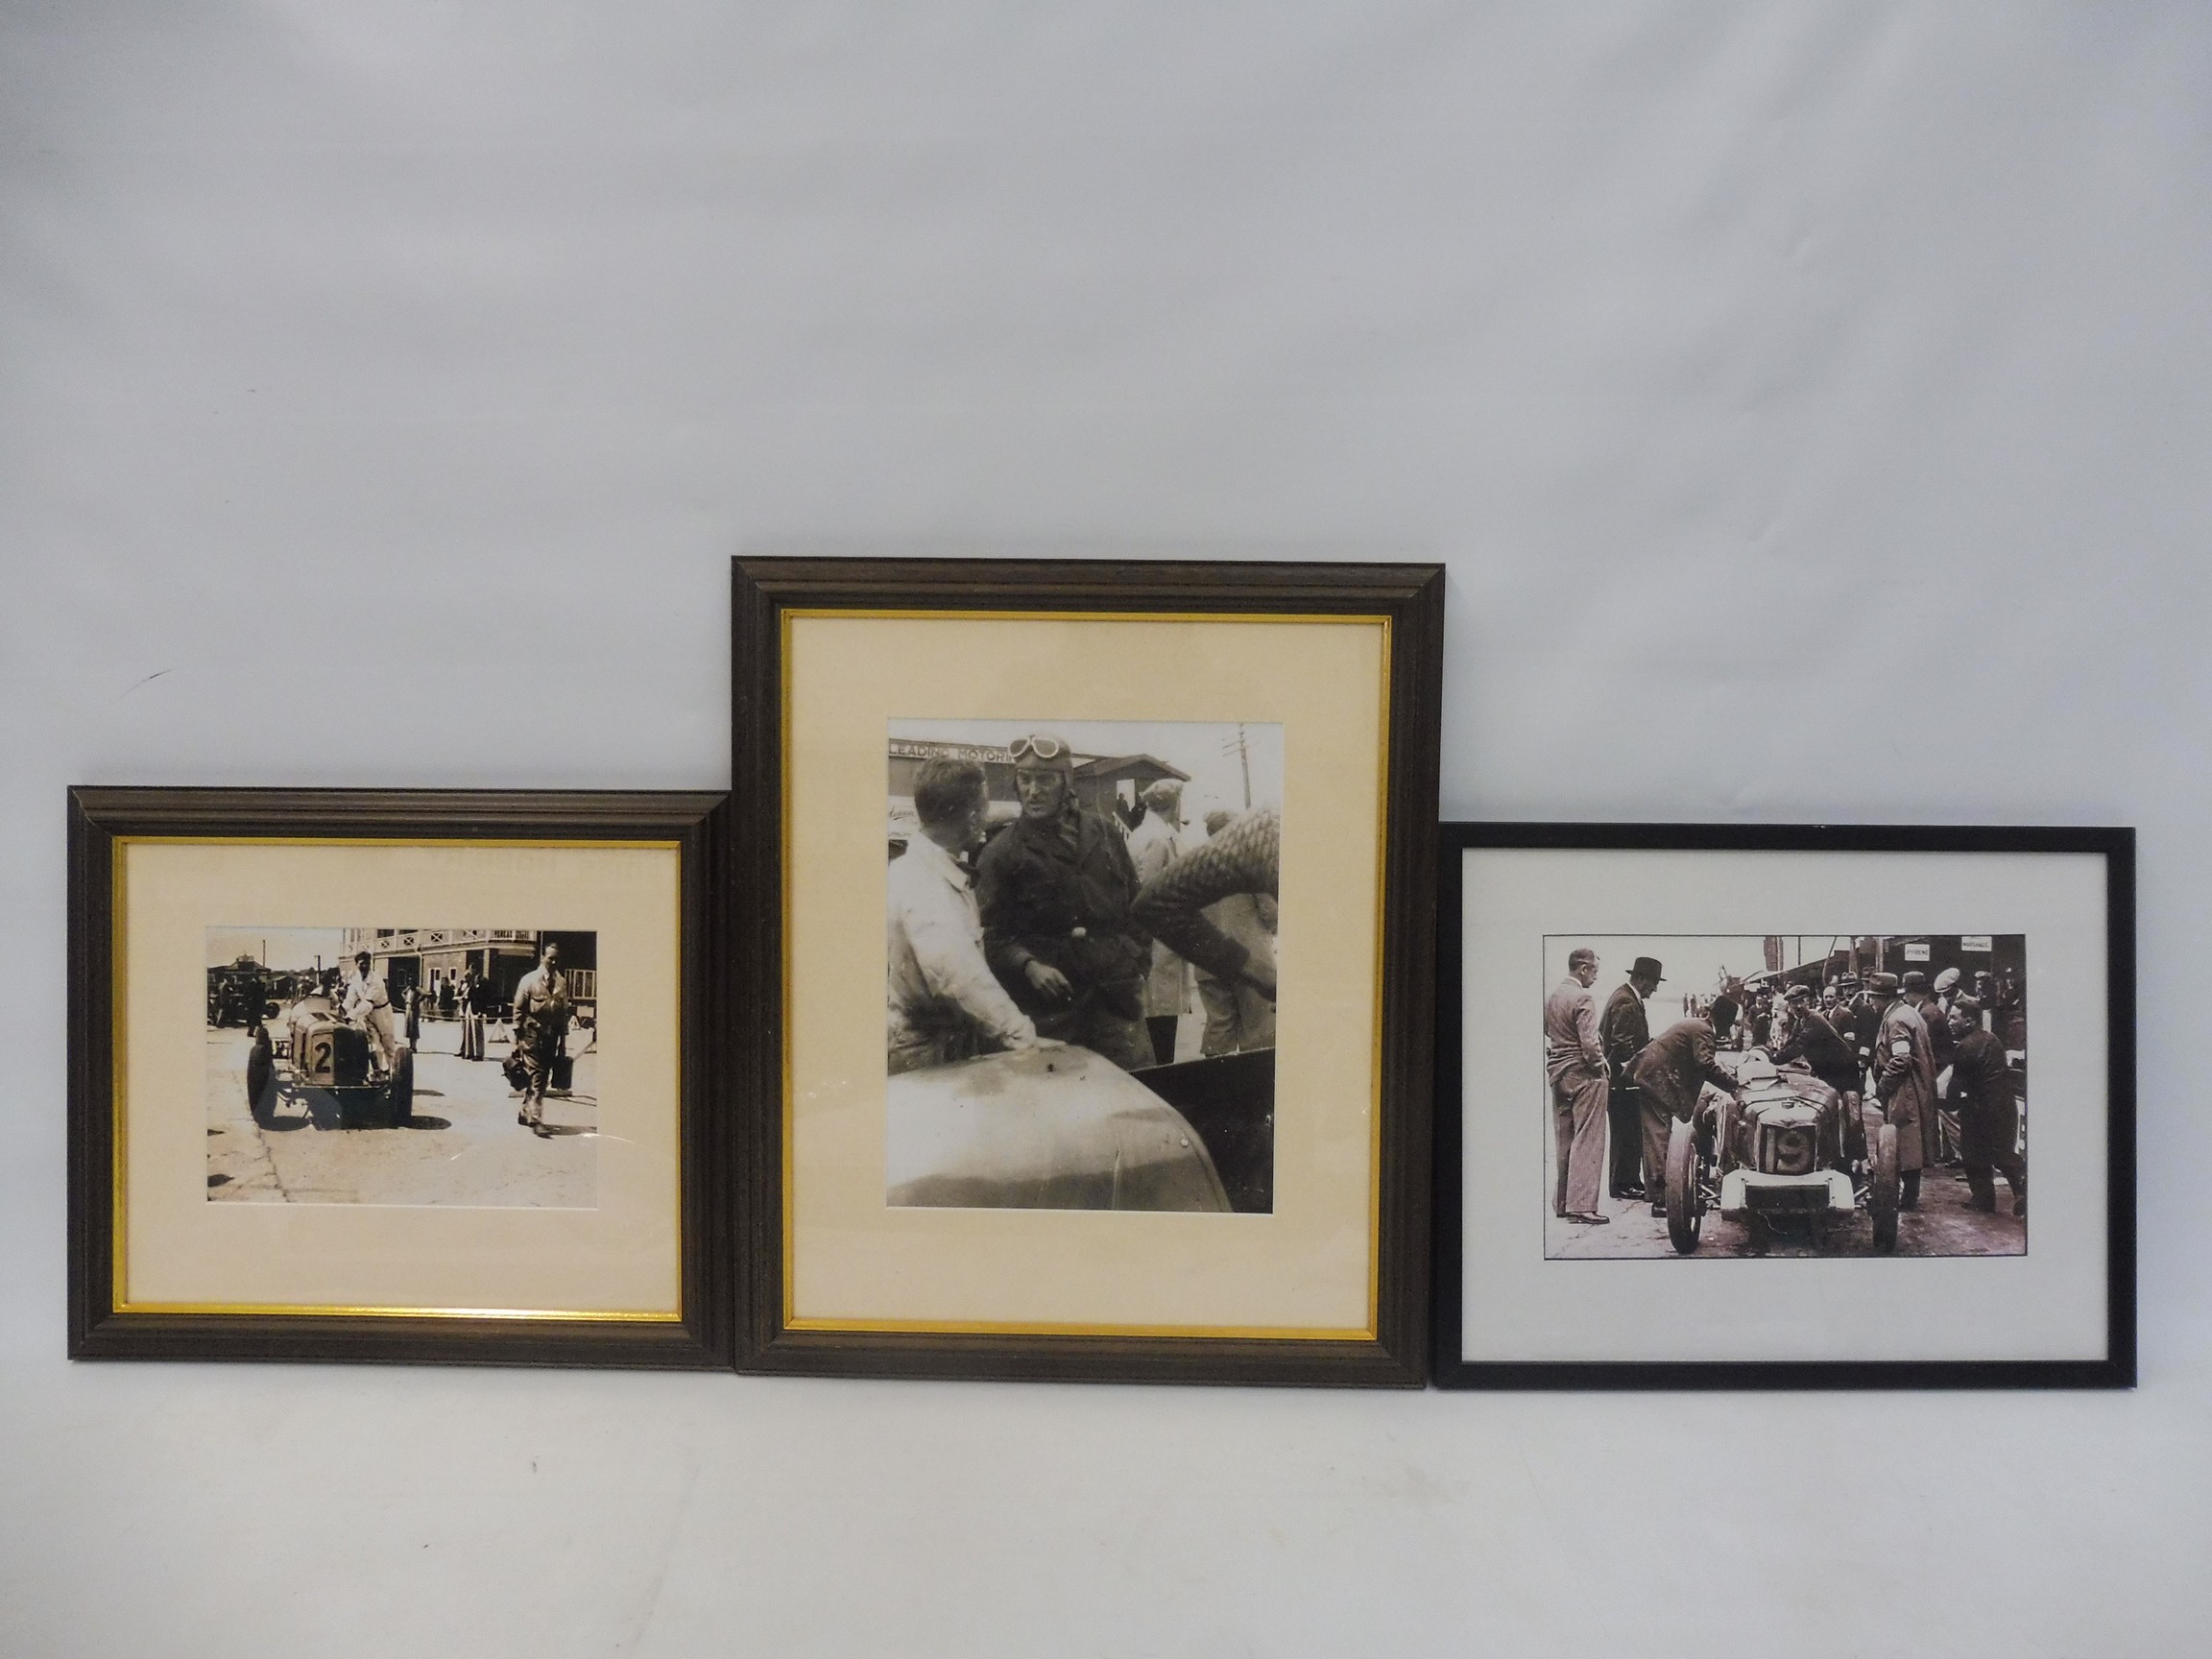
(397, 1076)
(1087, 973)
(1726, 1106)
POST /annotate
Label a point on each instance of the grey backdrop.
(1810, 402)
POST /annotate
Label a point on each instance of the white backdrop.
(1810, 402)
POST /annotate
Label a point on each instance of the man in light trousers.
(1574, 1065)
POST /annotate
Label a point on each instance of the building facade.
(434, 958)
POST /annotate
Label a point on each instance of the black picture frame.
(1411, 597)
(2116, 846)
(701, 1338)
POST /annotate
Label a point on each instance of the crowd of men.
(1928, 1054)
(1066, 927)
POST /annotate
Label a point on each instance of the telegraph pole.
(1240, 746)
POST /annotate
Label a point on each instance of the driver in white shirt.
(368, 1005)
(945, 1004)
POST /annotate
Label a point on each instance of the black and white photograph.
(1083, 940)
(402, 1065)
(1785, 1095)
(1792, 1062)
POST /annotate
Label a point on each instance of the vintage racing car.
(1060, 1128)
(328, 1067)
(1784, 1151)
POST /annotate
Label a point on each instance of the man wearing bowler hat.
(1623, 1028)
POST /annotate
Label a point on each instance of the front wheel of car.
(1685, 1196)
(1882, 1189)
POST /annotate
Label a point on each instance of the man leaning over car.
(1671, 1073)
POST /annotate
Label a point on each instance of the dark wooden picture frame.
(701, 1338)
(1411, 597)
(2115, 1370)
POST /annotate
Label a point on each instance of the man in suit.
(1905, 1083)
(1669, 1074)
(1623, 1028)
(1575, 1066)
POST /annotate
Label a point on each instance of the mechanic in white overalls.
(368, 1005)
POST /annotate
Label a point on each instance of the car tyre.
(1882, 1189)
(1685, 1193)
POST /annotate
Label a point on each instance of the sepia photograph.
(1059, 791)
(402, 1065)
(1083, 940)
(1785, 1095)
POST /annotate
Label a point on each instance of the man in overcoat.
(1943, 1148)
(1669, 1074)
(1904, 1082)
(1623, 1028)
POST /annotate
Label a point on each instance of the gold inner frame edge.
(789, 614)
(119, 1192)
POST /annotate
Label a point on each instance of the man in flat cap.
(1788, 1005)
(1947, 987)
(1575, 1066)
(1056, 889)
(1904, 1082)
(1623, 1028)
(1670, 1074)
